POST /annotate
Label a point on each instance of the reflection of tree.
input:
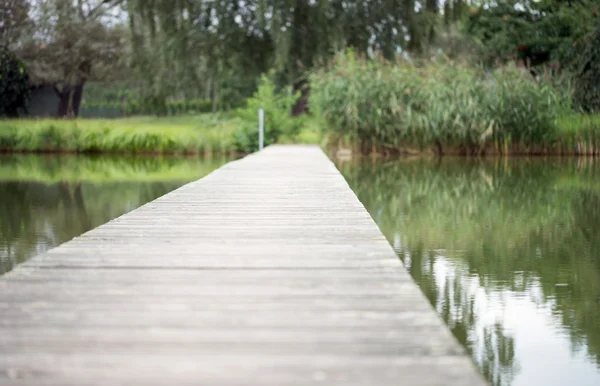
(16, 215)
(494, 352)
(507, 224)
(35, 216)
(579, 302)
(73, 168)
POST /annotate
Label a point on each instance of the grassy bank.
(369, 106)
(447, 108)
(201, 134)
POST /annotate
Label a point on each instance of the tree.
(74, 42)
(535, 32)
(14, 20)
(587, 72)
(14, 88)
(183, 45)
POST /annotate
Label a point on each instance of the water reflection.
(47, 200)
(508, 253)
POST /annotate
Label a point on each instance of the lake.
(506, 251)
(47, 200)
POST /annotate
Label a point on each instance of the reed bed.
(446, 108)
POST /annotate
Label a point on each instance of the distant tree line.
(216, 50)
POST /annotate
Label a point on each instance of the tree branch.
(98, 8)
(80, 10)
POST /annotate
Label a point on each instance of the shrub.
(204, 105)
(14, 89)
(154, 104)
(277, 108)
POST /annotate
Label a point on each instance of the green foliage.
(439, 103)
(14, 15)
(525, 111)
(221, 47)
(535, 31)
(133, 107)
(14, 87)
(587, 75)
(69, 43)
(175, 135)
(277, 108)
(154, 103)
(97, 92)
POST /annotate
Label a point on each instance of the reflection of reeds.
(51, 168)
(447, 107)
(509, 224)
(451, 202)
(204, 134)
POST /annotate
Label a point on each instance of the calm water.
(508, 253)
(47, 200)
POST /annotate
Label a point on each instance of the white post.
(261, 128)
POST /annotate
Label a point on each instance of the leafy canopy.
(535, 31)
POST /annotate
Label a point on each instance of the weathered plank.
(268, 271)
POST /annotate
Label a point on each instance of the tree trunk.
(76, 99)
(63, 103)
(414, 44)
(215, 95)
(70, 100)
(301, 105)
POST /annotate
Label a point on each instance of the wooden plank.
(269, 271)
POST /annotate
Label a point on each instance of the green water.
(507, 252)
(47, 200)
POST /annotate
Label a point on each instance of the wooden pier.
(269, 271)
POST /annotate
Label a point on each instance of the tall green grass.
(441, 105)
(208, 133)
(579, 134)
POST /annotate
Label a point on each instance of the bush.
(14, 88)
(154, 104)
(439, 103)
(277, 107)
(102, 110)
(114, 109)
